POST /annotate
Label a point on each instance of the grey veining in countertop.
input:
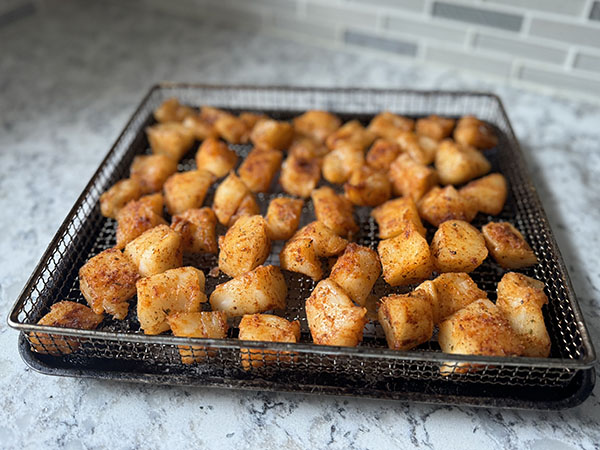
(70, 76)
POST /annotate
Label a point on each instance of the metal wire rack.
(85, 233)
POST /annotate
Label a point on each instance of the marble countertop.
(72, 75)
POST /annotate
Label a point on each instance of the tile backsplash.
(539, 43)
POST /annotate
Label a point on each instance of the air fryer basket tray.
(85, 233)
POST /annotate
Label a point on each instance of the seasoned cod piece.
(283, 217)
(327, 242)
(334, 211)
(441, 204)
(300, 175)
(508, 246)
(215, 157)
(332, 317)
(457, 246)
(387, 125)
(156, 250)
(107, 282)
(139, 216)
(228, 197)
(428, 144)
(406, 319)
(382, 154)
(266, 327)
(175, 290)
(351, 134)
(414, 146)
(171, 139)
(186, 190)
(515, 287)
(457, 164)
(231, 128)
(63, 314)
(486, 194)
(210, 114)
(197, 230)
(271, 134)
(259, 168)
(251, 119)
(204, 324)
(121, 193)
(306, 148)
(151, 171)
(368, 187)
(474, 132)
(478, 329)
(299, 255)
(245, 246)
(435, 127)
(356, 271)
(411, 179)
(393, 216)
(317, 125)
(450, 292)
(199, 128)
(248, 207)
(259, 290)
(172, 111)
(520, 299)
(406, 258)
(341, 162)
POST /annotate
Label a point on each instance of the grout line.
(515, 69)
(587, 11)
(469, 43)
(428, 9)
(570, 59)
(526, 25)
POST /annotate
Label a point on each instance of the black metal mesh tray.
(85, 233)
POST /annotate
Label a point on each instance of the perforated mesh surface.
(85, 233)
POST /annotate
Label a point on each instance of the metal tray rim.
(436, 357)
(587, 376)
(585, 362)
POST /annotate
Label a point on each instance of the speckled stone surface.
(70, 76)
